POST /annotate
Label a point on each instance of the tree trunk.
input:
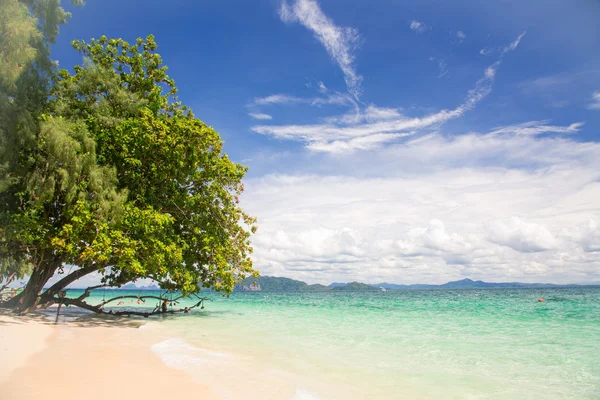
(67, 280)
(29, 297)
(47, 298)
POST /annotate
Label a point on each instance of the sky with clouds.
(405, 141)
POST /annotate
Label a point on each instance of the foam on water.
(177, 353)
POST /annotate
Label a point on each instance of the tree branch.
(98, 308)
(67, 280)
(89, 289)
(8, 281)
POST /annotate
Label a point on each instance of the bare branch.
(89, 289)
(136, 297)
(98, 309)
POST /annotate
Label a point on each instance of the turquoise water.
(427, 344)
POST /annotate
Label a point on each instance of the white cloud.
(360, 143)
(374, 114)
(521, 236)
(503, 49)
(339, 42)
(370, 114)
(260, 116)
(590, 239)
(595, 104)
(333, 98)
(322, 87)
(356, 131)
(418, 26)
(587, 235)
(327, 132)
(278, 99)
(537, 128)
(435, 209)
(514, 44)
(461, 36)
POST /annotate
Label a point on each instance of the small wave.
(177, 353)
(303, 394)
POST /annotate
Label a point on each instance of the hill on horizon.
(280, 284)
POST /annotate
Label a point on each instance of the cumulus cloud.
(595, 104)
(434, 209)
(340, 42)
(521, 236)
(587, 235)
(260, 116)
(461, 36)
(418, 26)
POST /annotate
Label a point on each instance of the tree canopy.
(113, 174)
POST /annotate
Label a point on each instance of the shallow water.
(425, 344)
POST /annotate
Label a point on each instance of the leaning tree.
(123, 180)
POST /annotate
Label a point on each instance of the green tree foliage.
(181, 224)
(27, 28)
(121, 178)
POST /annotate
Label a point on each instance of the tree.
(125, 181)
(27, 28)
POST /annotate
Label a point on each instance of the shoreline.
(86, 357)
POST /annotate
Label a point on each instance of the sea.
(498, 344)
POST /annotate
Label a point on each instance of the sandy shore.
(90, 359)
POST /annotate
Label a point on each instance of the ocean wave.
(179, 354)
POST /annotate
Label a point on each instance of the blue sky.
(400, 141)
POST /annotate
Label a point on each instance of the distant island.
(276, 284)
(131, 286)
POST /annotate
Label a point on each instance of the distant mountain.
(393, 286)
(131, 286)
(276, 284)
(471, 284)
(354, 286)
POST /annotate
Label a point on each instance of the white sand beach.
(88, 360)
